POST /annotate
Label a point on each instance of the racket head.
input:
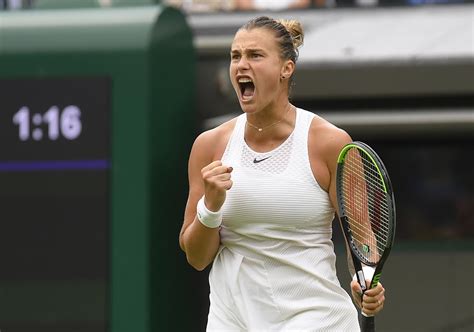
(366, 204)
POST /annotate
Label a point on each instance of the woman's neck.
(268, 117)
(272, 134)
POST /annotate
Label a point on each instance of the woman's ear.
(287, 69)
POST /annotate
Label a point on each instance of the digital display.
(54, 204)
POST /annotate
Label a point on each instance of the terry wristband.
(208, 218)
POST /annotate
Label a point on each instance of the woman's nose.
(243, 63)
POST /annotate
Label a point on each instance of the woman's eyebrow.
(248, 50)
(253, 50)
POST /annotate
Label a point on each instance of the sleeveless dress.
(275, 269)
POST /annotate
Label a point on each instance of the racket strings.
(362, 245)
(362, 233)
(366, 205)
(359, 197)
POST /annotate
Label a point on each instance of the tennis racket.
(366, 211)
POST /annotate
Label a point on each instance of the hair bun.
(295, 29)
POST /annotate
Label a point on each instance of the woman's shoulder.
(321, 126)
(213, 142)
(327, 137)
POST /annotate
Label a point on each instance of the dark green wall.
(147, 55)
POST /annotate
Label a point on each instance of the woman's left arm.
(373, 299)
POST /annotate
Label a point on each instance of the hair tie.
(297, 38)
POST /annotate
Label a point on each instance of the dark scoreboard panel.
(54, 204)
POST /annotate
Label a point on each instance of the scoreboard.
(54, 194)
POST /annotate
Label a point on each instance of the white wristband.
(208, 218)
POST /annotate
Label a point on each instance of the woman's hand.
(217, 180)
(372, 301)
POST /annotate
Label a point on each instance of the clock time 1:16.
(60, 123)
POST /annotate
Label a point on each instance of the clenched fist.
(217, 180)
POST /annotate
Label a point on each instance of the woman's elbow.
(197, 263)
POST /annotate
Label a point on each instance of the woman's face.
(256, 68)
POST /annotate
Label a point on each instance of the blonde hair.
(295, 30)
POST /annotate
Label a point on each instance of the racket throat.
(361, 279)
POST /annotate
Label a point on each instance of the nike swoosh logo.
(255, 160)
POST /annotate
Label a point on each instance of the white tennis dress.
(275, 270)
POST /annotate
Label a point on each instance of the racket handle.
(367, 324)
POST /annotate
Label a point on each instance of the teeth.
(245, 80)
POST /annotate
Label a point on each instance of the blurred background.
(100, 101)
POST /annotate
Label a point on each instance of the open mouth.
(247, 88)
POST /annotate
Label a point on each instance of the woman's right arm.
(211, 179)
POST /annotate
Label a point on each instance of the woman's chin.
(248, 108)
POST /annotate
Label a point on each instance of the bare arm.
(334, 145)
(333, 141)
(211, 179)
(325, 143)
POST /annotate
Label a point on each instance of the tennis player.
(262, 199)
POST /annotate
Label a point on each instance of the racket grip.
(367, 324)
